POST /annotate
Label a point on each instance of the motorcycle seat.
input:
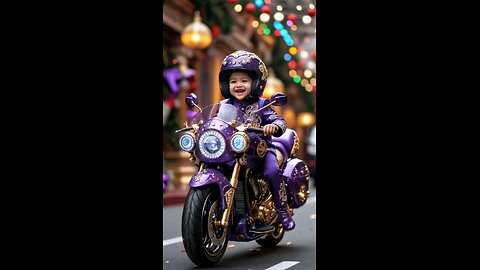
(286, 140)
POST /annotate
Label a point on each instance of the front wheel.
(204, 243)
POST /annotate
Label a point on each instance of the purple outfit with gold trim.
(251, 64)
(271, 171)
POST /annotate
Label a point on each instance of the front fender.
(211, 176)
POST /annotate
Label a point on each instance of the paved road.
(296, 251)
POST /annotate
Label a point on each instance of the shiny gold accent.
(195, 128)
(262, 148)
(185, 124)
(279, 157)
(264, 212)
(303, 194)
(296, 145)
(282, 192)
(263, 70)
(234, 123)
(242, 128)
(234, 183)
(202, 167)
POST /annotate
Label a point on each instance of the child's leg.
(277, 186)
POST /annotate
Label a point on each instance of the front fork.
(229, 198)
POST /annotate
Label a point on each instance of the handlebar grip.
(258, 130)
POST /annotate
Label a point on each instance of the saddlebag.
(296, 177)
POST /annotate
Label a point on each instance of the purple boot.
(280, 201)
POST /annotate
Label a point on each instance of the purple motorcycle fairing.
(296, 175)
(227, 131)
(212, 176)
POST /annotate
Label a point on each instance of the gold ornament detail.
(283, 192)
(227, 196)
(262, 148)
(296, 144)
(263, 70)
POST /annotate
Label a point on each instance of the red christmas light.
(311, 12)
(292, 64)
(233, 2)
(265, 9)
(215, 31)
(250, 7)
(292, 17)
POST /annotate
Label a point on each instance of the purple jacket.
(263, 117)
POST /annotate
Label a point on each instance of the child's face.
(240, 85)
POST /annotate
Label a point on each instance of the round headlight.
(211, 144)
(239, 142)
(187, 142)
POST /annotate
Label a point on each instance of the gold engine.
(261, 204)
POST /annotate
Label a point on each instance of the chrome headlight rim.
(243, 137)
(190, 143)
(221, 146)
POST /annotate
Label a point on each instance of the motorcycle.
(229, 199)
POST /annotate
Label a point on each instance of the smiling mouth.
(239, 90)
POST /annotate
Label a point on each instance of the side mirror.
(191, 100)
(280, 99)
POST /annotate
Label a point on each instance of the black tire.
(204, 244)
(273, 239)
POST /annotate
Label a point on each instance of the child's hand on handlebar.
(269, 129)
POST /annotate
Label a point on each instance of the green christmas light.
(296, 79)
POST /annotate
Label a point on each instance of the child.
(243, 77)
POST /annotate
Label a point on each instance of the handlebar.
(183, 129)
(258, 130)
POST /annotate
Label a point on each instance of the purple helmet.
(243, 61)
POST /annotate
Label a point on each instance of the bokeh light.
(238, 8)
(292, 50)
(308, 73)
(296, 79)
(306, 19)
(264, 17)
(278, 16)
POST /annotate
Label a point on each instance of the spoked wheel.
(272, 239)
(204, 243)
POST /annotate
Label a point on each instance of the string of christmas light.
(301, 72)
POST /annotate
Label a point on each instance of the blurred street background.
(198, 34)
